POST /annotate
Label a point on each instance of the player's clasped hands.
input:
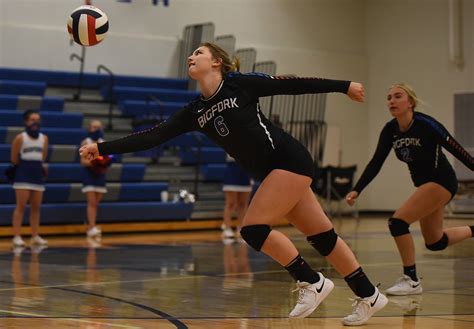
(89, 152)
(356, 92)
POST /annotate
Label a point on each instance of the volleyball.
(87, 25)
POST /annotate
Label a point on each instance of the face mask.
(33, 130)
(96, 135)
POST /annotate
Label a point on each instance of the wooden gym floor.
(195, 280)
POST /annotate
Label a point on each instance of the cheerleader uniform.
(29, 174)
(235, 178)
(92, 181)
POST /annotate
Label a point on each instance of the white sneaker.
(94, 232)
(38, 241)
(18, 242)
(364, 308)
(310, 296)
(228, 233)
(405, 286)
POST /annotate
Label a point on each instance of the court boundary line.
(165, 316)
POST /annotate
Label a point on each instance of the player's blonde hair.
(217, 52)
(414, 100)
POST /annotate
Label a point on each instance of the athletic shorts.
(446, 179)
(291, 155)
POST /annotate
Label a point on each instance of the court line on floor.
(163, 315)
(33, 315)
(191, 277)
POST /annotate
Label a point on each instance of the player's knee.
(324, 242)
(441, 244)
(255, 235)
(398, 227)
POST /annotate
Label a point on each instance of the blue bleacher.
(189, 140)
(5, 150)
(75, 213)
(56, 153)
(24, 102)
(129, 198)
(90, 80)
(122, 93)
(213, 171)
(60, 136)
(13, 87)
(208, 155)
(71, 192)
(136, 108)
(72, 172)
(48, 119)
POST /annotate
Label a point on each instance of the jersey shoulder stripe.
(251, 74)
(432, 123)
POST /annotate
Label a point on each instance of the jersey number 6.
(220, 126)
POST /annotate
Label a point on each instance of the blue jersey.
(420, 147)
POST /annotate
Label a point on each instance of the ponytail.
(219, 53)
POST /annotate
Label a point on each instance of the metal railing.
(82, 60)
(156, 100)
(111, 98)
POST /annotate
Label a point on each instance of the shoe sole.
(384, 303)
(329, 286)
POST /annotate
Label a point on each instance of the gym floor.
(196, 280)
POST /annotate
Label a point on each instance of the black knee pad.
(440, 245)
(255, 235)
(324, 242)
(398, 227)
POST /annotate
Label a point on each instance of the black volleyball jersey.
(230, 117)
(419, 147)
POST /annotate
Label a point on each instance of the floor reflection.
(203, 282)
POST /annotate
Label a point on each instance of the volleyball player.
(228, 113)
(417, 140)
